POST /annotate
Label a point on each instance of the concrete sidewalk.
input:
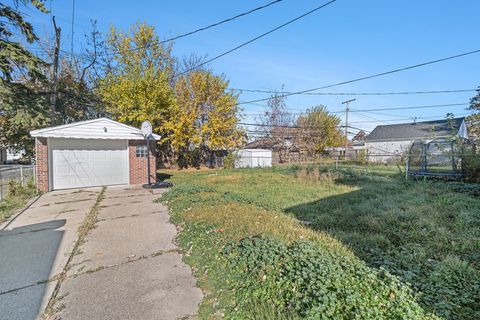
(35, 247)
(129, 267)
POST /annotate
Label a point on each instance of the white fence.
(23, 174)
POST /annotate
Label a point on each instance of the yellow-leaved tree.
(136, 86)
(205, 118)
(318, 130)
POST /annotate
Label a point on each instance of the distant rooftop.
(417, 130)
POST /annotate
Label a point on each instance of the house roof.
(263, 143)
(418, 130)
(101, 128)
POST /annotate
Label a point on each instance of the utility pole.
(56, 52)
(347, 104)
(73, 29)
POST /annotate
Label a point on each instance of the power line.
(373, 76)
(176, 37)
(366, 131)
(312, 131)
(202, 28)
(256, 38)
(372, 118)
(389, 114)
(380, 109)
(404, 119)
(268, 125)
(357, 93)
(305, 129)
(414, 107)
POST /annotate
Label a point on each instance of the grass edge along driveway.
(217, 209)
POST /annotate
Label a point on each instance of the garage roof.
(101, 128)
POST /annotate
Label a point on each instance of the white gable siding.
(94, 129)
(387, 151)
(462, 131)
(98, 130)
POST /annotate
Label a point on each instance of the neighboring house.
(361, 136)
(389, 142)
(91, 153)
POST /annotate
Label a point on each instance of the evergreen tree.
(22, 108)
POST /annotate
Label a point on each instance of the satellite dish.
(146, 128)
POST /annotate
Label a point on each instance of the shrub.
(471, 166)
(317, 174)
(15, 189)
(468, 188)
(229, 161)
(311, 282)
(17, 196)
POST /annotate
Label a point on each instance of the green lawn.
(296, 242)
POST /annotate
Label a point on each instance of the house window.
(141, 151)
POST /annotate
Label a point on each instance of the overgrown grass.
(425, 233)
(16, 198)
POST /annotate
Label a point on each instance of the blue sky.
(346, 40)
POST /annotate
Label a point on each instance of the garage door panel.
(88, 163)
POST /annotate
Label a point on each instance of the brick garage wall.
(41, 152)
(138, 165)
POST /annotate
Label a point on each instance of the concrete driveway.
(127, 267)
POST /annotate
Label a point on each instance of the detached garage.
(91, 153)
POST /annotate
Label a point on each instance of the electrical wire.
(357, 93)
(255, 39)
(404, 119)
(374, 75)
(202, 28)
(380, 109)
(176, 37)
(414, 107)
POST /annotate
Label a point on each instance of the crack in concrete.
(88, 223)
(57, 276)
(64, 202)
(111, 205)
(121, 217)
(132, 216)
(129, 260)
(129, 196)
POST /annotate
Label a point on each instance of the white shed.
(253, 158)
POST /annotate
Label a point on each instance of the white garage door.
(80, 163)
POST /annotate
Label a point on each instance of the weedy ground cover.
(357, 242)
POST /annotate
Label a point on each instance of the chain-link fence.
(22, 174)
